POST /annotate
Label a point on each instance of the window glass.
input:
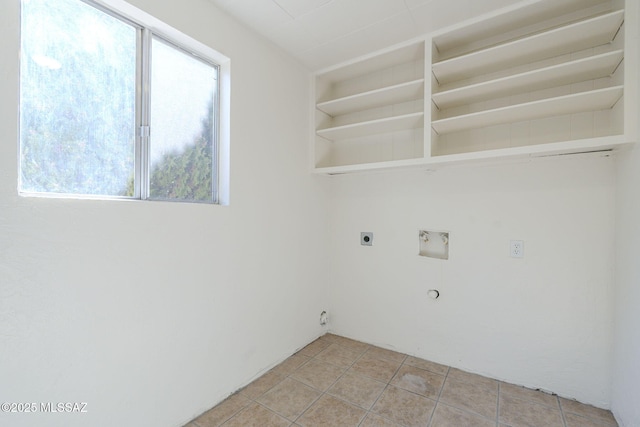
(182, 143)
(78, 96)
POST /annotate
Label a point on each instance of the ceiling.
(321, 33)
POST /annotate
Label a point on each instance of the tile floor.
(339, 382)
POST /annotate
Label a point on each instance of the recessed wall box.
(433, 244)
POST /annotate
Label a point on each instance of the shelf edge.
(502, 155)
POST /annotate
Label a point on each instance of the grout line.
(564, 420)
(433, 411)
(238, 412)
(377, 399)
(270, 410)
(395, 373)
(307, 408)
(498, 404)
(446, 375)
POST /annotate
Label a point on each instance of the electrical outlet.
(366, 238)
(516, 248)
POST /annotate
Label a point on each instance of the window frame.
(147, 28)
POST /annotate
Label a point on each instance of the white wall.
(153, 312)
(544, 321)
(626, 369)
(626, 366)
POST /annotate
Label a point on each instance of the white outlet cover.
(516, 248)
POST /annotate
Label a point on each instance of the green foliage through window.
(186, 174)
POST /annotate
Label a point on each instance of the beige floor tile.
(378, 369)
(468, 377)
(327, 337)
(261, 385)
(290, 364)
(330, 337)
(373, 420)
(257, 416)
(436, 368)
(403, 407)
(357, 389)
(382, 353)
(338, 355)
(314, 348)
(521, 413)
(290, 398)
(398, 390)
(329, 411)
(419, 381)
(587, 411)
(217, 415)
(470, 397)
(529, 394)
(317, 374)
(353, 345)
(574, 420)
(447, 416)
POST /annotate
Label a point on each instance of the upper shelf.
(593, 67)
(594, 100)
(406, 54)
(371, 127)
(515, 20)
(570, 38)
(363, 101)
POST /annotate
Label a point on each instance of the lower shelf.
(594, 100)
(593, 145)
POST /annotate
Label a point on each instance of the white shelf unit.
(562, 82)
(534, 79)
(371, 110)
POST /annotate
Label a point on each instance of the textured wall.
(152, 312)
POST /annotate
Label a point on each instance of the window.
(111, 109)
